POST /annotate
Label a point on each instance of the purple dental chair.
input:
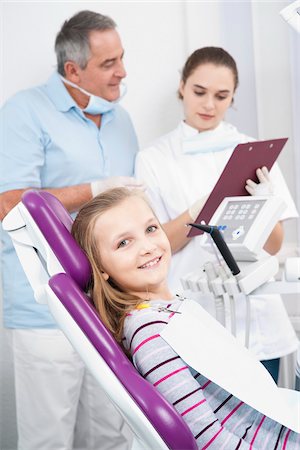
(58, 272)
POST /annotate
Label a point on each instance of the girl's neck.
(164, 294)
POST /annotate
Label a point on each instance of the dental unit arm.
(221, 244)
(242, 226)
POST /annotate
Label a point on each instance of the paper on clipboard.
(210, 349)
(242, 164)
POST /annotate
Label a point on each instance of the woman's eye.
(222, 97)
(199, 93)
(152, 228)
(123, 243)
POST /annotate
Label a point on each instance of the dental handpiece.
(221, 244)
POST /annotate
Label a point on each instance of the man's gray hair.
(72, 41)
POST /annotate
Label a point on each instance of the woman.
(130, 255)
(182, 167)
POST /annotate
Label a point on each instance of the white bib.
(206, 346)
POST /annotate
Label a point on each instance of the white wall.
(157, 37)
(294, 39)
(271, 38)
(154, 52)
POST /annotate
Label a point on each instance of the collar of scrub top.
(61, 98)
(224, 136)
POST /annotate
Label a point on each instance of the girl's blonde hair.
(110, 300)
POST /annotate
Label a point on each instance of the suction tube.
(221, 244)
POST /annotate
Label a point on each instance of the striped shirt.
(217, 419)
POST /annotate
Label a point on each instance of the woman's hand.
(265, 186)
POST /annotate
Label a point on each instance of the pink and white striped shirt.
(217, 419)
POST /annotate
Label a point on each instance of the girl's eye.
(221, 97)
(123, 243)
(152, 228)
(199, 93)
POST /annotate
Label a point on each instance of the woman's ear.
(181, 88)
(232, 105)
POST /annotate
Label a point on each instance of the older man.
(71, 137)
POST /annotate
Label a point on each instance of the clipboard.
(242, 164)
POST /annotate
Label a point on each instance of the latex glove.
(196, 207)
(265, 186)
(113, 182)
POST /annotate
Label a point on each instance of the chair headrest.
(55, 224)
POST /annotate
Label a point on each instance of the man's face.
(105, 69)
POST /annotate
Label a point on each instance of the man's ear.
(72, 71)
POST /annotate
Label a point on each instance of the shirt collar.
(189, 131)
(58, 93)
(63, 101)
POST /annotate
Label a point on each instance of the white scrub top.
(176, 177)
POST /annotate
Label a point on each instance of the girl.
(130, 255)
(182, 167)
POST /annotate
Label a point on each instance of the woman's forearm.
(177, 231)
(274, 241)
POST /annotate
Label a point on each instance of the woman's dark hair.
(213, 55)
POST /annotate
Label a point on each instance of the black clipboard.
(242, 164)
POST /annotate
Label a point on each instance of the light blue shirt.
(46, 141)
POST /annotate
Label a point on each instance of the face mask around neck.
(97, 105)
(211, 141)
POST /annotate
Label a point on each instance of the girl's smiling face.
(134, 250)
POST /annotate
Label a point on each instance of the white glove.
(265, 186)
(196, 207)
(113, 182)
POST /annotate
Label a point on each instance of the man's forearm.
(72, 197)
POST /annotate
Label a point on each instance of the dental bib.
(206, 346)
(96, 105)
(223, 137)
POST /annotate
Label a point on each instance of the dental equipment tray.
(246, 223)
